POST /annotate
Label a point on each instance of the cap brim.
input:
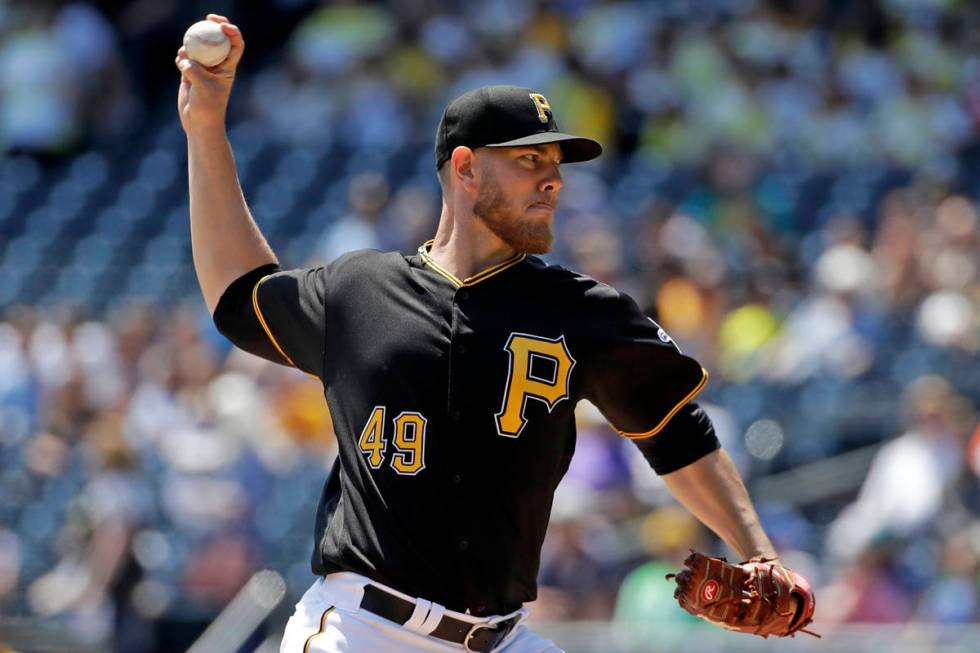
(574, 149)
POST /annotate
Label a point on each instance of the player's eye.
(530, 157)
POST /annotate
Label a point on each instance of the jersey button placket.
(458, 366)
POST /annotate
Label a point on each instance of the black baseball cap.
(505, 116)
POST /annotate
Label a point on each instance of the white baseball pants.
(328, 619)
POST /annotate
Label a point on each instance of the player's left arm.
(711, 489)
(709, 486)
(646, 388)
(686, 454)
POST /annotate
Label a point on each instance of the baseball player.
(451, 376)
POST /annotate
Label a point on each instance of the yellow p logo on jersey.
(522, 384)
(541, 104)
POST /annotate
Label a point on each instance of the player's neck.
(466, 247)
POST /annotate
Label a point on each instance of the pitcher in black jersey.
(452, 376)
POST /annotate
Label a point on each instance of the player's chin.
(539, 217)
(536, 240)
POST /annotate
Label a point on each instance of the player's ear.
(463, 167)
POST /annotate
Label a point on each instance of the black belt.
(482, 637)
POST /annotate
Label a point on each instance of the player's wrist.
(206, 130)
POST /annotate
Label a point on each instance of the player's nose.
(552, 182)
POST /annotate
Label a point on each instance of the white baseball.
(206, 43)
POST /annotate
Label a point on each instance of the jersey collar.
(476, 278)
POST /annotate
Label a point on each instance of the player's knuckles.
(215, 83)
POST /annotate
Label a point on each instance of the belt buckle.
(490, 623)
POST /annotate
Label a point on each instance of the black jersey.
(453, 403)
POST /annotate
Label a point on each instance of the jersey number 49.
(409, 441)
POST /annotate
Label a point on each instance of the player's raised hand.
(204, 91)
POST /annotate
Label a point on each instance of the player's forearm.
(225, 240)
(712, 490)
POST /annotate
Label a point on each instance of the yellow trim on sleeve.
(265, 327)
(476, 278)
(656, 429)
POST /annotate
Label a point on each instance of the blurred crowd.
(789, 186)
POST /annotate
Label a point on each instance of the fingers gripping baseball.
(757, 596)
(204, 91)
(237, 44)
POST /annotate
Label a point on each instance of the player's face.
(518, 193)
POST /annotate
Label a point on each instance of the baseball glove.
(756, 596)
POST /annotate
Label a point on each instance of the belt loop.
(432, 621)
(419, 615)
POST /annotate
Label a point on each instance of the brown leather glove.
(756, 596)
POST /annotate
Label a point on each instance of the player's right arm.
(225, 240)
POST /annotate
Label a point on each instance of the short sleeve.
(290, 306)
(638, 378)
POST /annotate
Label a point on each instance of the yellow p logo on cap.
(541, 104)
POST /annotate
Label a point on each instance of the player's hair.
(443, 174)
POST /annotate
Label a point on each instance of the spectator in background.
(867, 589)
(91, 587)
(107, 107)
(61, 79)
(952, 596)
(358, 228)
(38, 113)
(411, 216)
(950, 268)
(905, 487)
